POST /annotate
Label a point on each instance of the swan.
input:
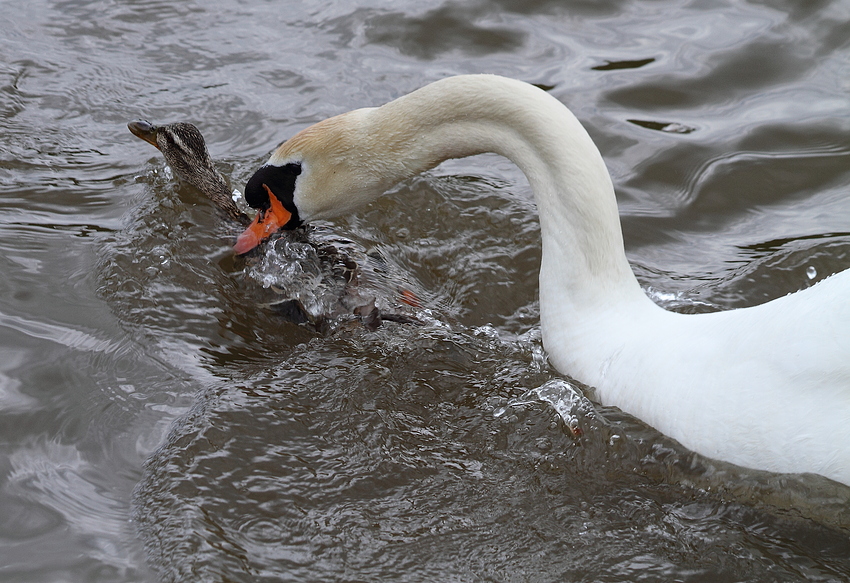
(766, 387)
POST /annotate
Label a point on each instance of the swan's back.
(764, 387)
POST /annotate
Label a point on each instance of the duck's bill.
(144, 130)
(265, 224)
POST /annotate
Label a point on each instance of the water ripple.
(280, 452)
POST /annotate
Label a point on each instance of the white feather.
(765, 387)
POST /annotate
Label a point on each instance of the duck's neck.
(584, 262)
(210, 182)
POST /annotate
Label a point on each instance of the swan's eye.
(279, 179)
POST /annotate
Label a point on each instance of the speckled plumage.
(185, 150)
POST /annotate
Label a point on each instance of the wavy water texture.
(162, 419)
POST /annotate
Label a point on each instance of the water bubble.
(811, 272)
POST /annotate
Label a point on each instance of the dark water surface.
(158, 421)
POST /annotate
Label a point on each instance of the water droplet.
(811, 272)
(543, 443)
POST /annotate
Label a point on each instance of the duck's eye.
(175, 141)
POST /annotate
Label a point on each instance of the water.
(160, 421)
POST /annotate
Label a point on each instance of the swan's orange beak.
(265, 224)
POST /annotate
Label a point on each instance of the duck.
(344, 280)
(185, 149)
(765, 387)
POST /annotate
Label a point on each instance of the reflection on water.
(160, 420)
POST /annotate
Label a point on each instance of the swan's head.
(271, 190)
(326, 170)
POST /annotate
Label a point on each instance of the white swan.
(765, 387)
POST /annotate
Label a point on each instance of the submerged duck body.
(765, 387)
(318, 277)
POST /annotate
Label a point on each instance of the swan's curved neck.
(457, 117)
(686, 375)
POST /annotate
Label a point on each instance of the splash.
(567, 401)
(330, 279)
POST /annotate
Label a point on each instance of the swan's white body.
(765, 387)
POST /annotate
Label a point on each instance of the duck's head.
(185, 150)
(326, 170)
(182, 145)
